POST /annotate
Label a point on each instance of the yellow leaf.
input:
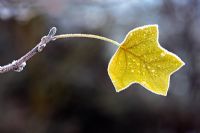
(141, 59)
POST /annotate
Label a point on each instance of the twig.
(18, 65)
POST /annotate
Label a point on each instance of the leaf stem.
(87, 36)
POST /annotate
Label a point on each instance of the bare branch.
(18, 65)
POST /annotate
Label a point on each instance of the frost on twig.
(18, 65)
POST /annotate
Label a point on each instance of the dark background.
(66, 88)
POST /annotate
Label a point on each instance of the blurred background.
(66, 88)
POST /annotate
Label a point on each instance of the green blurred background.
(66, 88)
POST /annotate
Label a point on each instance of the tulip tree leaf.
(140, 59)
